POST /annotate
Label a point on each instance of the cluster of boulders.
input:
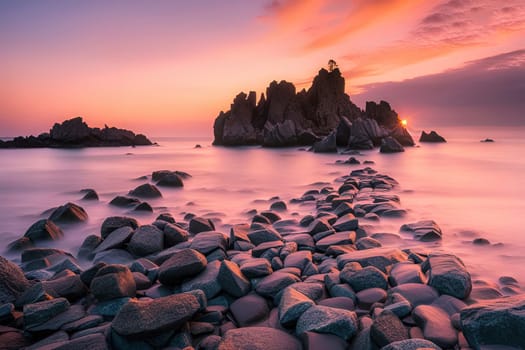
(76, 133)
(322, 116)
(326, 281)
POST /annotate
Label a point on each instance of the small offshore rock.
(432, 136)
(68, 213)
(44, 230)
(146, 191)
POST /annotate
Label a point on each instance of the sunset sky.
(166, 68)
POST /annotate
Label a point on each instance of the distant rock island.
(322, 116)
(74, 133)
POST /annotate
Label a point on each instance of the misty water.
(471, 189)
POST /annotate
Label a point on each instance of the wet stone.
(323, 319)
(436, 325)
(249, 309)
(388, 328)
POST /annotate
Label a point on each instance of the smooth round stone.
(406, 272)
(147, 239)
(416, 293)
(436, 325)
(68, 213)
(258, 267)
(322, 341)
(146, 191)
(367, 243)
(112, 223)
(368, 297)
(274, 283)
(249, 309)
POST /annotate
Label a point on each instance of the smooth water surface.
(471, 189)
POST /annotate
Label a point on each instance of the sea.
(470, 188)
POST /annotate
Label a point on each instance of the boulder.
(146, 318)
(425, 230)
(258, 338)
(199, 224)
(171, 180)
(207, 280)
(68, 213)
(388, 328)
(271, 285)
(292, 305)
(89, 195)
(326, 145)
(124, 202)
(114, 222)
(183, 264)
(431, 137)
(497, 322)
(378, 257)
(147, 239)
(448, 275)
(390, 145)
(324, 319)
(41, 312)
(44, 230)
(146, 191)
(116, 239)
(249, 309)
(232, 280)
(368, 277)
(12, 281)
(436, 325)
(173, 235)
(113, 281)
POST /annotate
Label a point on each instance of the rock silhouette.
(284, 117)
(76, 133)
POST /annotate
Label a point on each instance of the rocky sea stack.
(76, 133)
(324, 112)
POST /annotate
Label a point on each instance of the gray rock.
(113, 256)
(83, 323)
(207, 281)
(390, 145)
(90, 194)
(271, 285)
(199, 224)
(232, 280)
(249, 309)
(411, 344)
(124, 202)
(41, 312)
(368, 277)
(265, 235)
(388, 328)
(347, 222)
(146, 191)
(495, 322)
(416, 293)
(68, 213)
(183, 264)
(74, 313)
(44, 230)
(323, 319)
(278, 206)
(292, 306)
(406, 272)
(112, 223)
(113, 281)
(448, 275)
(426, 230)
(70, 287)
(339, 238)
(378, 257)
(116, 239)
(368, 297)
(173, 235)
(436, 325)
(258, 338)
(206, 242)
(12, 281)
(326, 145)
(171, 180)
(257, 267)
(432, 136)
(144, 318)
(147, 239)
(88, 246)
(367, 243)
(109, 308)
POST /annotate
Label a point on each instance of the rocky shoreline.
(75, 133)
(276, 281)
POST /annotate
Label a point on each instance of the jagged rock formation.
(284, 117)
(431, 137)
(76, 133)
